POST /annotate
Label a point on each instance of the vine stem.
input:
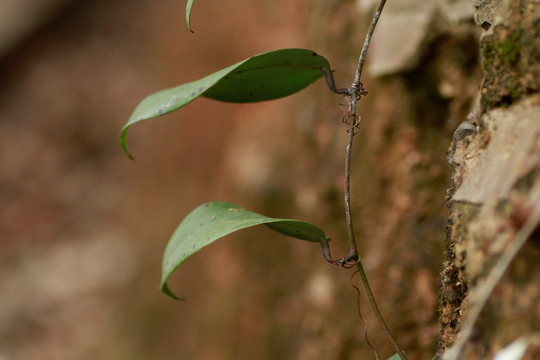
(356, 84)
(355, 92)
(377, 312)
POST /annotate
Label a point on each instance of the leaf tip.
(123, 142)
(188, 21)
(165, 289)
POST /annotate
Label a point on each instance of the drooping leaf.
(214, 220)
(189, 5)
(266, 76)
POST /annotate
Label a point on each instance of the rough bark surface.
(496, 160)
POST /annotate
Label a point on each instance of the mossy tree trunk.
(496, 186)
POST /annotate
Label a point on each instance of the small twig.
(480, 297)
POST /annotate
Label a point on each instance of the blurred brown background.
(82, 228)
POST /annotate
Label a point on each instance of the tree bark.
(496, 187)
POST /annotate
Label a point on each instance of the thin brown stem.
(355, 92)
(353, 250)
(363, 53)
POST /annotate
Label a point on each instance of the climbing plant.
(267, 76)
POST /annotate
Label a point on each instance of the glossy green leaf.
(189, 5)
(214, 220)
(266, 76)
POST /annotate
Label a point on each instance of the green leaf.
(189, 5)
(266, 76)
(214, 220)
(394, 357)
